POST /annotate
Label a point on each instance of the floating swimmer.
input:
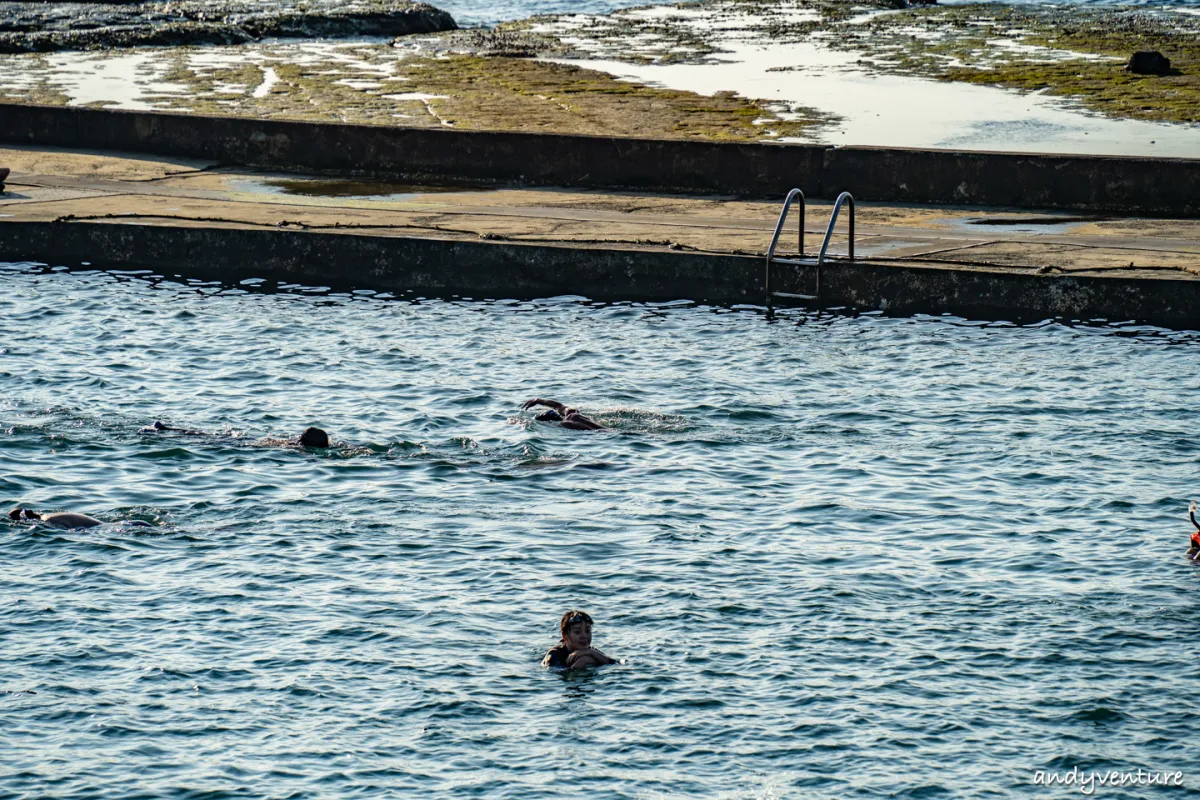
(62, 519)
(569, 417)
(574, 650)
(311, 437)
(1194, 545)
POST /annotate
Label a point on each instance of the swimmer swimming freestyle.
(574, 649)
(63, 519)
(569, 417)
(311, 437)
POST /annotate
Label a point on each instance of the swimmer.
(574, 650)
(159, 427)
(311, 437)
(63, 519)
(569, 417)
(1194, 544)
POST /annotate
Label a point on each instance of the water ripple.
(841, 556)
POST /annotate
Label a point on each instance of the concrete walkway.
(47, 185)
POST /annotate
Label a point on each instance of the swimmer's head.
(314, 437)
(549, 416)
(575, 627)
(23, 513)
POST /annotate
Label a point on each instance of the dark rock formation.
(43, 26)
(3, 177)
(1149, 62)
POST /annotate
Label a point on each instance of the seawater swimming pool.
(841, 556)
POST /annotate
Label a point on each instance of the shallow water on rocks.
(478, 12)
(841, 556)
(475, 12)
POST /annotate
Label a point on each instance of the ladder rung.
(794, 296)
(795, 262)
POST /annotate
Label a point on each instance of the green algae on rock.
(1079, 53)
(1076, 52)
(420, 85)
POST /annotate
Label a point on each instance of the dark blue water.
(840, 556)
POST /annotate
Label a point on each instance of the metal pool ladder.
(802, 261)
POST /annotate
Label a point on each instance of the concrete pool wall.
(412, 266)
(1126, 185)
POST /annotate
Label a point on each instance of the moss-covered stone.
(382, 85)
(1077, 52)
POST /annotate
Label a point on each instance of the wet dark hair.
(549, 416)
(314, 437)
(23, 513)
(15, 513)
(569, 619)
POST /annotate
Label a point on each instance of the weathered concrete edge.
(508, 270)
(1147, 186)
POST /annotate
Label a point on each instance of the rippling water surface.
(840, 556)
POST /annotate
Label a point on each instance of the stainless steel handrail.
(837, 206)
(842, 199)
(787, 204)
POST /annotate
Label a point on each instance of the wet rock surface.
(499, 44)
(1149, 62)
(47, 26)
(1077, 51)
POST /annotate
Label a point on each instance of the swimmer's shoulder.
(68, 520)
(556, 656)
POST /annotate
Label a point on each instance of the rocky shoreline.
(50, 26)
(1075, 51)
(733, 70)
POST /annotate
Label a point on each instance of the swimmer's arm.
(1192, 515)
(537, 401)
(589, 658)
(603, 658)
(159, 427)
(582, 659)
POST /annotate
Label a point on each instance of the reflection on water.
(841, 556)
(373, 189)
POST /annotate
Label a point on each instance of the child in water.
(574, 650)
